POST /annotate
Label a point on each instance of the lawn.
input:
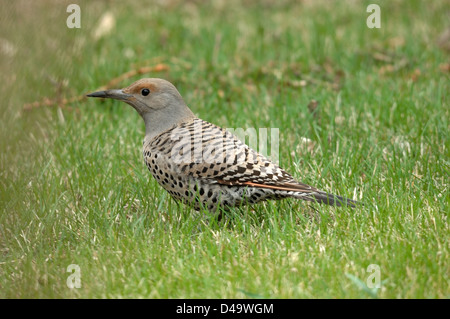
(361, 112)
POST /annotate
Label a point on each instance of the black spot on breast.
(241, 169)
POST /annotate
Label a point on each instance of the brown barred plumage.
(201, 164)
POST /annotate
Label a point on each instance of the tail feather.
(302, 191)
(329, 199)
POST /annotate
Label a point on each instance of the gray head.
(157, 101)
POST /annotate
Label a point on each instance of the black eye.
(145, 92)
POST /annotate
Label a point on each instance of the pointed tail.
(329, 199)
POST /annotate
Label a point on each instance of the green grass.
(74, 189)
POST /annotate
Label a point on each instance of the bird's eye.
(145, 92)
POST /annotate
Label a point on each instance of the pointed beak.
(111, 94)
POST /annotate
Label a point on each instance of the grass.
(74, 189)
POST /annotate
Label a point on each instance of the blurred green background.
(362, 113)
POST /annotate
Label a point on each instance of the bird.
(201, 164)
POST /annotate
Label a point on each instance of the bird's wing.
(206, 151)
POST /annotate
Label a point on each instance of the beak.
(112, 94)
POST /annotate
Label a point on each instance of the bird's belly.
(201, 193)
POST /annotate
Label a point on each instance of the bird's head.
(157, 101)
(145, 95)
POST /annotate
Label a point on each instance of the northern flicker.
(201, 164)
